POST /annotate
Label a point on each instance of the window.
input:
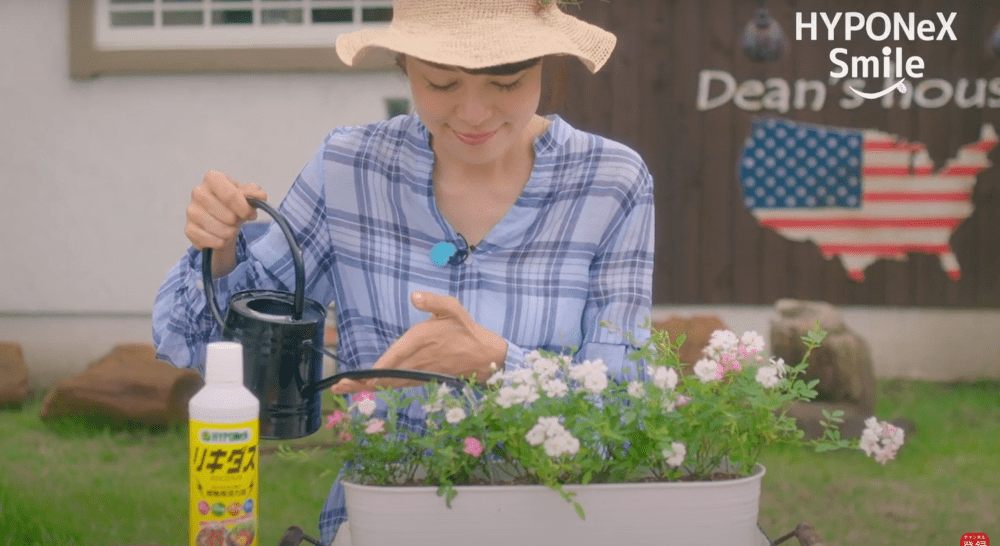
(125, 36)
(160, 24)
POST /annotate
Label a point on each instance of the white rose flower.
(881, 440)
(549, 430)
(496, 378)
(536, 435)
(723, 341)
(366, 407)
(894, 435)
(527, 394)
(454, 415)
(555, 388)
(561, 444)
(675, 454)
(521, 377)
(552, 426)
(545, 368)
(767, 376)
(887, 454)
(636, 389)
(579, 371)
(779, 365)
(752, 341)
(572, 445)
(554, 446)
(872, 424)
(706, 370)
(596, 381)
(868, 442)
(506, 397)
(665, 378)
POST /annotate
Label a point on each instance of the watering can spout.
(381, 373)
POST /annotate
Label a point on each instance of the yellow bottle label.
(224, 482)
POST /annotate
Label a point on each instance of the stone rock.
(128, 385)
(13, 375)
(697, 329)
(842, 364)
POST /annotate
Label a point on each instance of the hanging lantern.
(763, 40)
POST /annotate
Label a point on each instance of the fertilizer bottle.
(223, 456)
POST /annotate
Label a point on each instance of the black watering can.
(282, 338)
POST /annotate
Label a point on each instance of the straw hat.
(482, 33)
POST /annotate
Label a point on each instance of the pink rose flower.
(473, 447)
(335, 418)
(375, 426)
(363, 396)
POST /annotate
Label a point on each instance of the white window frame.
(254, 35)
(141, 53)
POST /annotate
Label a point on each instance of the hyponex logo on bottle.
(236, 436)
(878, 27)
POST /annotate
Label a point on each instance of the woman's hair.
(498, 70)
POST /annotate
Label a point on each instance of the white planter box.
(721, 513)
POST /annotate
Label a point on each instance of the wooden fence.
(710, 249)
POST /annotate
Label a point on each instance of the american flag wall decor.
(861, 195)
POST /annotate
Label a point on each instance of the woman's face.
(475, 119)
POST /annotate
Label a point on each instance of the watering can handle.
(300, 270)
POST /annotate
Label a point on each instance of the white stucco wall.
(95, 176)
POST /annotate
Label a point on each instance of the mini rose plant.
(557, 422)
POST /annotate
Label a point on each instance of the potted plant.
(558, 453)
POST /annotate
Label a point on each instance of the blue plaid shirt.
(575, 249)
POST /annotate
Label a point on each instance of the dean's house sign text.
(718, 88)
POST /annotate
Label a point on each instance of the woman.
(552, 227)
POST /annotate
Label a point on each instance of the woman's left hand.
(448, 342)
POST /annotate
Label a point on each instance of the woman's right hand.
(218, 208)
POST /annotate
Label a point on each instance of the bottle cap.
(224, 362)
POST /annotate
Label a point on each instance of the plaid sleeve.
(182, 323)
(621, 279)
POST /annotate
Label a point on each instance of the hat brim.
(557, 34)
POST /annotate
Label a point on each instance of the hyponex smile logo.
(878, 27)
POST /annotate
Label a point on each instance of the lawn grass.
(73, 483)
(946, 481)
